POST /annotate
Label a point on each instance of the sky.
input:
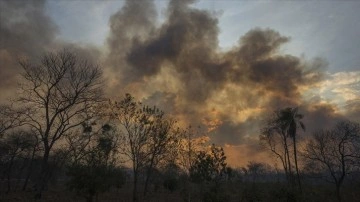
(326, 29)
(222, 65)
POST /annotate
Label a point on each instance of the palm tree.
(290, 120)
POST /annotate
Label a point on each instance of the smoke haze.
(179, 66)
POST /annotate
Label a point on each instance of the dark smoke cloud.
(27, 25)
(167, 101)
(131, 25)
(25, 30)
(259, 44)
(179, 66)
(249, 81)
(320, 116)
(260, 65)
(235, 133)
(188, 42)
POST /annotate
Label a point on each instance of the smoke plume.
(178, 65)
(181, 60)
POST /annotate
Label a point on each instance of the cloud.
(340, 89)
(187, 43)
(25, 30)
(179, 65)
(130, 25)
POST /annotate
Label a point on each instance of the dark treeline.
(63, 140)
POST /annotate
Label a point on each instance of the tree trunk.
(148, 175)
(9, 174)
(338, 194)
(40, 185)
(296, 164)
(28, 174)
(135, 186)
(287, 156)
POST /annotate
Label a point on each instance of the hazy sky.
(223, 65)
(328, 29)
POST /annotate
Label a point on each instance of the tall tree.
(143, 133)
(57, 92)
(190, 144)
(161, 143)
(290, 120)
(274, 137)
(281, 126)
(95, 170)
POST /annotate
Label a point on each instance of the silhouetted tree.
(144, 132)
(336, 151)
(13, 146)
(275, 138)
(9, 118)
(190, 144)
(34, 151)
(208, 171)
(96, 170)
(161, 142)
(172, 173)
(209, 166)
(57, 93)
(281, 126)
(80, 140)
(290, 119)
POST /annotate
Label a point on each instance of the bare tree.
(336, 152)
(136, 126)
(275, 138)
(34, 151)
(15, 145)
(9, 118)
(80, 140)
(162, 141)
(92, 167)
(147, 137)
(57, 93)
(190, 144)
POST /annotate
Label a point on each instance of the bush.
(91, 180)
(171, 184)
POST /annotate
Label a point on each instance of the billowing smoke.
(180, 61)
(131, 25)
(25, 30)
(178, 65)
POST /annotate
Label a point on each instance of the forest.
(61, 139)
